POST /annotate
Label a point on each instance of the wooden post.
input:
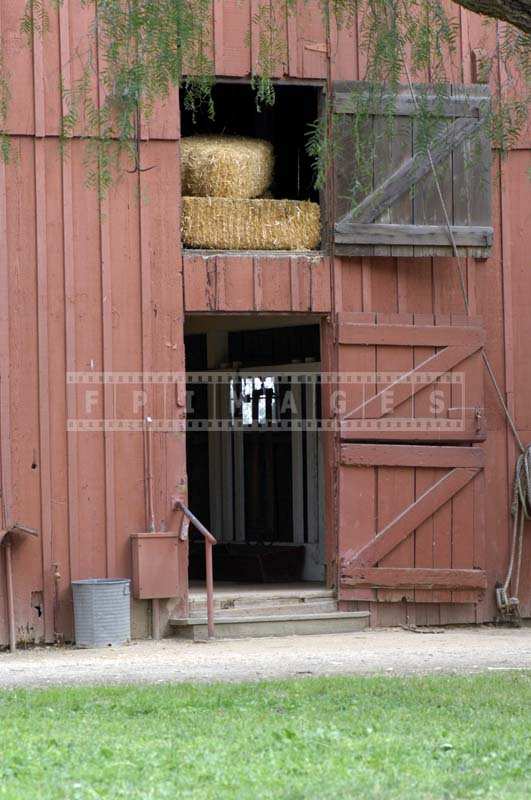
(10, 597)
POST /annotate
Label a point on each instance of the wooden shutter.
(411, 523)
(386, 199)
(410, 377)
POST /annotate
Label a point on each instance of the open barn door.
(411, 486)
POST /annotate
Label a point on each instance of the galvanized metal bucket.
(102, 611)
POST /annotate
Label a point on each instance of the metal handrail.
(209, 542)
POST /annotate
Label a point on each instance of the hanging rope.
(521, 504)
(520, 510)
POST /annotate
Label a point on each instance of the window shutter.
(386, 198)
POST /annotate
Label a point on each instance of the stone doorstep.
(229, 627)
(227, 608)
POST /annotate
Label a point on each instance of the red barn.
(400, 503)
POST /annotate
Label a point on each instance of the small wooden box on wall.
(155, 565)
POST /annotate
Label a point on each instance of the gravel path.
(391, 651)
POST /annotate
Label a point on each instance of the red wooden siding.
(256, 283)
(84, 285)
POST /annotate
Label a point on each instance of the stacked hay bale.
(223, 180)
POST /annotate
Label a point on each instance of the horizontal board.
(397, 455)
(413, 578)
(479, 90)
(408, 251)
(378, 233)
(416, 335)
(403, 105)
(433, 597)
(391, 431)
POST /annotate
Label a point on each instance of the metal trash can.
(102, 611)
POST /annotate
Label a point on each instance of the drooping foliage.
(142, 49)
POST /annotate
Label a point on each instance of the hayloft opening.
(254, 454)
(285, 124)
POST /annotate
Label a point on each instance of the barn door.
(412, 523)
(386, 199)
(411, 377)
(411, 492)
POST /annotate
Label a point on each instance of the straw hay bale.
(225, 166)
(225, 223)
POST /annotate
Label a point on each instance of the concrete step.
(265, 608)
(232, 627)
(233, 599)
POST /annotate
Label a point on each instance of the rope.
(520, 510)
(521, 504)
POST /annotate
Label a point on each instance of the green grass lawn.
(381, 737)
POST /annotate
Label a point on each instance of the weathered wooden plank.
(390, 234)
(43, 341)
(406, 522)
(427, 206)
(434, 336)
(396, 487)
(231, 28)
(357, 514)
(423, 534)
(441, 320)
(320, 284)
(235, 283)
(195, 283)
(70, 316)
(462, 532)
(471, 175)
(414, 577)
(398, 429)
(392, 147)
(353, 250)
(276, 284)
(482, 90)
(409, 455)
(403, 105)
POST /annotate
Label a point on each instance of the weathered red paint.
(100, 285)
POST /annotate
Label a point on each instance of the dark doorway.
(253, 466)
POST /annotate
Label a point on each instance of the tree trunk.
(517, 12)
